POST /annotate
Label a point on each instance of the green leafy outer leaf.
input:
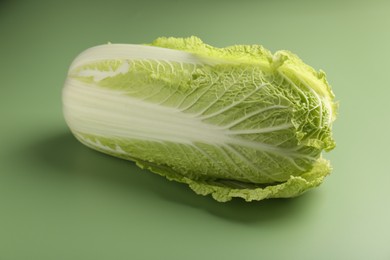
(231, 122)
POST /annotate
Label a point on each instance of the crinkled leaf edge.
(293, 187)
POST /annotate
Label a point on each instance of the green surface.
(61, 200)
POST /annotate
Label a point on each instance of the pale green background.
(61, 200)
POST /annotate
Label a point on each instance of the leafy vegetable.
(230, 122)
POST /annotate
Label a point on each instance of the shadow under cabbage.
(73, 160)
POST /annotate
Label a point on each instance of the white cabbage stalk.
(230, 122)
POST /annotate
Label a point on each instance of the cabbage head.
(231, 122)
